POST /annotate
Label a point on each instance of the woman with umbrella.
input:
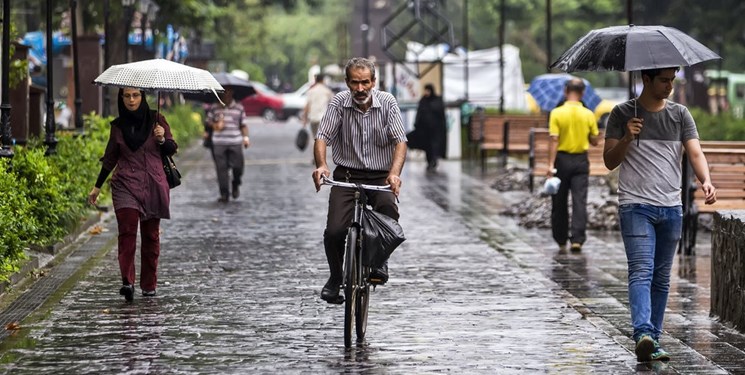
(140, 192)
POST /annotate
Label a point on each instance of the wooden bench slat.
(488, 132)
(726, 161)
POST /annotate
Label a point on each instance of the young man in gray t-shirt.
(647, 136)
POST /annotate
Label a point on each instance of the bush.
(723, 127)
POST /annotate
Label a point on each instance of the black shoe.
(645, 346)
(379, 276)
(128, 291)
(223, 199)
(148, 293)
(330, 293)
(236, 191)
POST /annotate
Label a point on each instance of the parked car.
(265, 103)
(294, 102)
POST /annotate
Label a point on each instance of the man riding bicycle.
(364, 128)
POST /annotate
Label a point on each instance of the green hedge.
(44, 197)
(724, 127)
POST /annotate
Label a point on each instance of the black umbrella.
(630, 48)
(241, 88)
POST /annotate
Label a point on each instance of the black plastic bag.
(382, 235)
(172, 174)
(301, 140)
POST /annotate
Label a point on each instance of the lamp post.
(75, 65)
(128, 12)
(50, 125)
(106, 57)
(548, 36)
(6, 151)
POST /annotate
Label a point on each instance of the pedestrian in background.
(572, 129)
(364, 129)
(229, 138)
(318, 98)
(430, 128)
(139, 189)
(649, 202)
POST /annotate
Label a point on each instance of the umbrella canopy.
(629, 48)
(159, 75)
(241, 88)
(548, 91)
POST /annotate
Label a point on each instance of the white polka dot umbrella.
(160, 75)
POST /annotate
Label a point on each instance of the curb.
(41, 256)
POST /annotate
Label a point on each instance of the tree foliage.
(284, 37)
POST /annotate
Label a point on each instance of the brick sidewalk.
(470, 291)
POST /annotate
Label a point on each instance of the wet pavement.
(470, 291)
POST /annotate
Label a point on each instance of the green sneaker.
(645, 346)
(659, 354)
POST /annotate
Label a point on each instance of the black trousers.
(573, 170)
(341, 212)
(228, 158)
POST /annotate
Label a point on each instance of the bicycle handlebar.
(329, 181)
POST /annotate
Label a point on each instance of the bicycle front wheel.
(351, 284)
(363, 302)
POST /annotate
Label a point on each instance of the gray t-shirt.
(651, 172)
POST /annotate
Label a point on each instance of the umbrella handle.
(637, 136)
(217, 96)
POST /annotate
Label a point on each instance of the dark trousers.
(128, 220)
(228, 158)
(433, 151)
(341, 212)
(573, 170)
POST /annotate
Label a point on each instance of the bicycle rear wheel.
(363, 302)
(351, 272)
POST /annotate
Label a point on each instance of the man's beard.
(356, 97)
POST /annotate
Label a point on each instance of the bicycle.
(356, 275)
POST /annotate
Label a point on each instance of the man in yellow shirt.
(573, 129)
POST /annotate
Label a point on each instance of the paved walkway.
(470, 291)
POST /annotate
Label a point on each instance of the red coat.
(139, 181)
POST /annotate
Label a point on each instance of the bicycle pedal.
(338, 301)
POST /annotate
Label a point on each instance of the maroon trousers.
(127, 220)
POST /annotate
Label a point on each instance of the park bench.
(726, 161)
(539, 153)
(727, 169)
(507, 134)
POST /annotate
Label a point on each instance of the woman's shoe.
(128, 291)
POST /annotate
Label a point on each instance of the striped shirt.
(362, 140)
(231, 134)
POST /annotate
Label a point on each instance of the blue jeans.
(650, 235)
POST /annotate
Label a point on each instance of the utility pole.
(75, 65)
(7, 150)
(50, 124)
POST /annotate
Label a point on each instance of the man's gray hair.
(359, 62)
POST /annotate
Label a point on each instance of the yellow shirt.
(573, 124)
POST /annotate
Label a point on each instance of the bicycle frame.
(356, 275)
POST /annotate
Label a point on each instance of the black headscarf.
(136, 125)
